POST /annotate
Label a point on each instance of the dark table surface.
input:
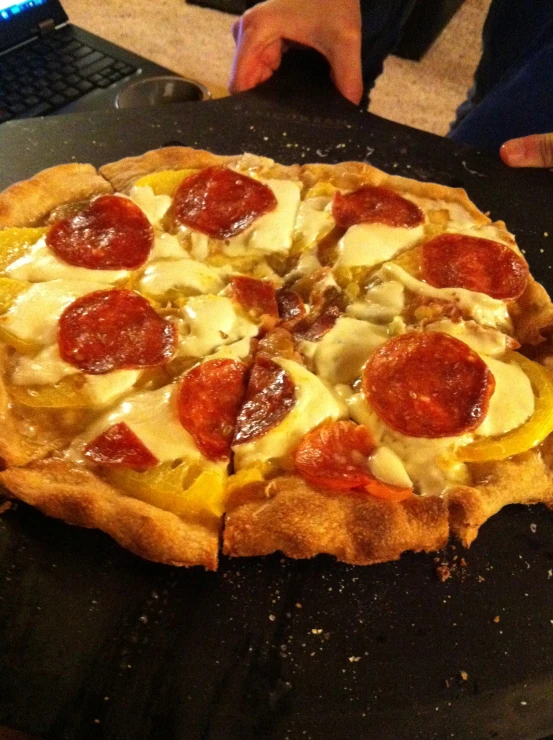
(97, 643)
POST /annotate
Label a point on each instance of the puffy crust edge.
(524, 479)
(124, 173)
(302, 522)
(351, 175)
(27, 203)
(79, 497)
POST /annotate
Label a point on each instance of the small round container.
(160, 90)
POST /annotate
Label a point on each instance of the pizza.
(204, 353)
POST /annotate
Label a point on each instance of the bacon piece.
(220, 202)
(111, 233)
(375, 205)
(269, 398)
(257, 297)
(335, 456)
(209, 399)
(120, 446)
(291, 308)
(114, 329)
(278, 342)
(428, 385)
(327, 305)
(482, 265)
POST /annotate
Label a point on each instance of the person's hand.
(529, 151)
(332, 28)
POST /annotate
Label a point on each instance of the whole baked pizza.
(202, 352)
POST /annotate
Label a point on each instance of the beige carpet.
(196, 42)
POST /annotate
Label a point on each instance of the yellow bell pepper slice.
(15, 242)
(244, 478)
(529, 434)
(9, 290)
(166, 182)
(23, 346)
(321, 189)
(177, 489)
(70, 392)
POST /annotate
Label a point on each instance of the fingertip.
(514, 153)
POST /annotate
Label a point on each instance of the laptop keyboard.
(52, 72)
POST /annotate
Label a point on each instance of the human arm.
(331, 28)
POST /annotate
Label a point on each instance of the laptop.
(48, 65)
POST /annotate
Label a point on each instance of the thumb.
(529, 151)
(345, 62)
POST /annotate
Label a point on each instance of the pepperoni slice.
(428, 385)
(290, 305)
(269, 398)
(461, 261)
(255, 296)
(114, 329)
(111, 233)
(220, 202)
(375, 205)
(120, 446)
(335, 456)
(209, 399)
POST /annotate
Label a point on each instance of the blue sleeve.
(520, 104)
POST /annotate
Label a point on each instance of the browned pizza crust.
(79, 497)
(28, 203)
(302, 521)
(124, 173)
(351, 175)
(524, 479)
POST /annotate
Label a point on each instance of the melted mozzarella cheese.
(167, 246)
(371, 244)
(105, 389)
(44, 368)
(381, 304)
(314, 219)
(235, 351)
(458, 215)
(385, 465)
(428, 462)
(273, 231)
(40, 265)
(483, 308)
(184, 275)
(315, 403)
(479, 338)
(154, 206)
(341, 353)
(153, 417)
(512, 402)
(212, 321)
(34, 315)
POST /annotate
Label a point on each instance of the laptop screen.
(20, 19)
(8, 8)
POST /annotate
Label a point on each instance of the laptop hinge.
(47, 26)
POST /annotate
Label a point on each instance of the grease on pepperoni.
(291, 308)
(209, 399)
(257, 297)
(482, 265)
(111, 233)
(220, 202)
(269, 398)
(335, 456)
(327, 305)
(428, 385)
(375, 205)
(114, 329)
(120, 446)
